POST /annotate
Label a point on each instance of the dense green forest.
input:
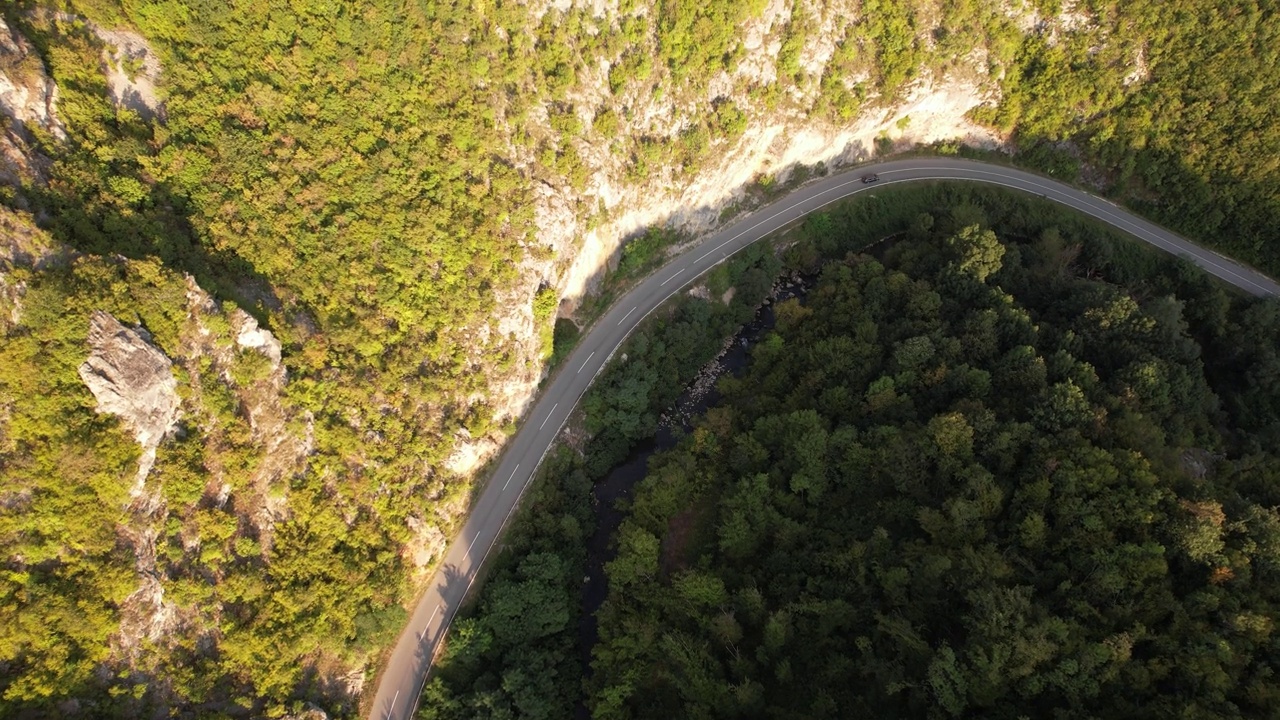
(967, 479)
(1012, 443)
(359, 176)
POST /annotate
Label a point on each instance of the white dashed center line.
(548, 417)
(513, 474)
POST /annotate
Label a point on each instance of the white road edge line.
(624, 318)
(393, 705)
(793, 206)
(472, 543)
(584, 362)
(513, 472)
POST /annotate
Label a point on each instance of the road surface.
(402, 680)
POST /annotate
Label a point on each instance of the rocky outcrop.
(29, 101)
(133, 72)
(580, 231)
(214, 350)
(133, 380)
(131, 68)
(252, 337)
(216, 342)
(772, 146)
(27, 94)
(29, 97)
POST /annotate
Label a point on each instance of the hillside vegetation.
(365, 179)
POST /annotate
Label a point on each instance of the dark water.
(620, 483)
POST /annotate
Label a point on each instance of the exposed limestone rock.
(253, 337)
(311, 712)
(470, 454)
(131, 67)
(770, 146)
(29, 101)
(133, 72)
(11, 294)
(133, 380)
(22, 245)
(580, 231)
(210, 343)
(1198, 463)
(1141, 72)
(427, 545)
(27, 94)
(144, 614)
(283, 449)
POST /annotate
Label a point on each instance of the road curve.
(402, 680)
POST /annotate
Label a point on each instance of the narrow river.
(620, 483)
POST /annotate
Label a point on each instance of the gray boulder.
(133, 380)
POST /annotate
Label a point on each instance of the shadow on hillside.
(156, 227)
(100, 202)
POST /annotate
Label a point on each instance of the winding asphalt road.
(403, 678)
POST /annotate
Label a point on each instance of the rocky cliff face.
(27, 94)
(22, 244)
(29, 102)
(138, 90)
(206, 376)
(584, 225)
(792, 58)
(132, 380)
(129, 65)
(214, 350)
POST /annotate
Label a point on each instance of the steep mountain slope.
(348, 225)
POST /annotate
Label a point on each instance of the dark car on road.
(870, 178)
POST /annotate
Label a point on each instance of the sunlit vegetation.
(69, 514)
(644, 252)
(359, 176)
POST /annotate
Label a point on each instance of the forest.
(964, 477)
(360, 176)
